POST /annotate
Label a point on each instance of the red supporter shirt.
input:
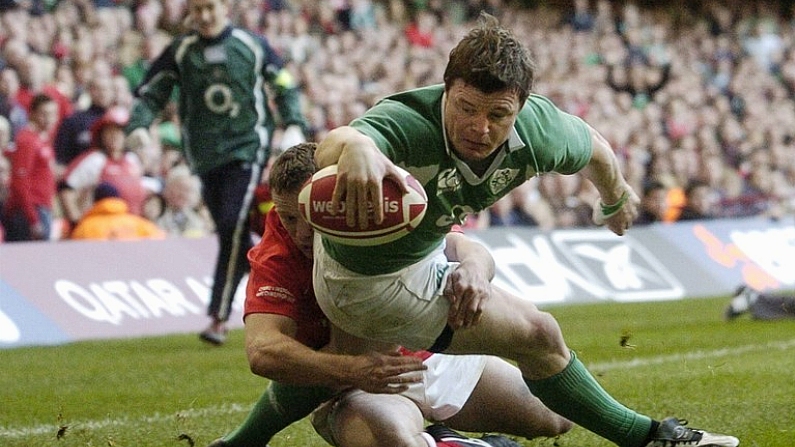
(32, 178)
(280, 283)
(126, 173)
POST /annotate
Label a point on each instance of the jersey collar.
(220, 37)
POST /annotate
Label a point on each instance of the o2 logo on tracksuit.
(219, 99)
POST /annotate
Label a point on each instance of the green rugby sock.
(279, 406)
(576, 395)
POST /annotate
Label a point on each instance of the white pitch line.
(234, 408)
(694, 355)
(101, 424)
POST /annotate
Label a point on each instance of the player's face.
(209, 17)
(292, 220)
(478, 123)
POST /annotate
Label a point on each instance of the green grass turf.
(678, 358)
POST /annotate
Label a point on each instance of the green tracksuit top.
(408, 128)
(223, 107)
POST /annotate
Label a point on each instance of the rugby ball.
(402, 212)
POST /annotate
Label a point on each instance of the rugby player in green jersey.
(469, 142)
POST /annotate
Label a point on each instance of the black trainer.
(673, 433)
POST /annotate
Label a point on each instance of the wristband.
(611, 210)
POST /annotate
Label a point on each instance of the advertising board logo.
(580, 265)
(763, 258)
(627, 270)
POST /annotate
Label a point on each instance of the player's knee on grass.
(371, 420)
(354, 429)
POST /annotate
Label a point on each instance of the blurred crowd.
(695, 97)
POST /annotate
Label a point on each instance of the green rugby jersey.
(407, 127)
(223, 107)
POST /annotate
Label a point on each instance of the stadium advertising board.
(75, 290)
(58, 292)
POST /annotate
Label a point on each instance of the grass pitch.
(671, 358)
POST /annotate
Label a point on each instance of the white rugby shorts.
(446, 386)
(405, 307)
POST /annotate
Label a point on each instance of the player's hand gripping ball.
(402, 212)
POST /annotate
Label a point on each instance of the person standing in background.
(28, 211)
(227, 129)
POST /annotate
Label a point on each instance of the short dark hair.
(105, 190)
(293, 168)
(491, 59)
